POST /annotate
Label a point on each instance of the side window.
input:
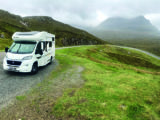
(47, 45)
(53, 39)
(44, 46)
(50, 44)
(39, 46)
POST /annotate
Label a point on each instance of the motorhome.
(29, 51)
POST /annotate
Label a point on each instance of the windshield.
(22, 47)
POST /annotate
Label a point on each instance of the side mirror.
(6, 49)
(39, 52)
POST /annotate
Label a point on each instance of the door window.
(50, 44)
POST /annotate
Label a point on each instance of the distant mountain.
(125, 28)
(135, 32)
(140, 24)
(65, 34)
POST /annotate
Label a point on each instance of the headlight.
(27, 58)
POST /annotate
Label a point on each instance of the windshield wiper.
(18, 48)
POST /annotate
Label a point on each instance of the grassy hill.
(10, 23)
(94, 83)
(143, 41)
(65, 35)
(148, 44)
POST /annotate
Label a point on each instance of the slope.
(66, 35)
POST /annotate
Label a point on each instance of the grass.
(110, 91)
(21, 98)
(115, 87)
(4, 43)
(148, 44)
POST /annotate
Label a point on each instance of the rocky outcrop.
(77, 41)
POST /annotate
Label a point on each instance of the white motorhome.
(29, 51)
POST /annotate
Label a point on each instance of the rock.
(2, 36)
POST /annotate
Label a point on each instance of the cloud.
(84, 12)
(154, 18)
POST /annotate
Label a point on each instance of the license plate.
(12, 69)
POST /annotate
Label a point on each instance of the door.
(40, 58)
(45, 56)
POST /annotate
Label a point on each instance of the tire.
(51, 60)
(34, 68)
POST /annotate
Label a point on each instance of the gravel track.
(14, 84)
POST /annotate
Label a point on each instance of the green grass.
(110, 91)
(21, 98)
(4, 43)
(147, 44)
(115, 87)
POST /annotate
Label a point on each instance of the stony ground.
(42, 108)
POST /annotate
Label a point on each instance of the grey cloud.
(82, 12)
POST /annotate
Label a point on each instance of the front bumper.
(25, 66)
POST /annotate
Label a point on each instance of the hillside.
(65, 35)
(148, 44)
(94, 83)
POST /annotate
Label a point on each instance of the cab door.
(45, 53)
(40, 58)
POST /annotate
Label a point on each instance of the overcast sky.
(85, 12)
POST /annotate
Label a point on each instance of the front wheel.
(34, 68)
(51, 60)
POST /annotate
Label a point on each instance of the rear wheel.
(34, 68)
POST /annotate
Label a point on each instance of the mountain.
(140, 24)
(135, 32)
(65, 34)
(125, 28)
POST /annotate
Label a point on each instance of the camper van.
(29, 51)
